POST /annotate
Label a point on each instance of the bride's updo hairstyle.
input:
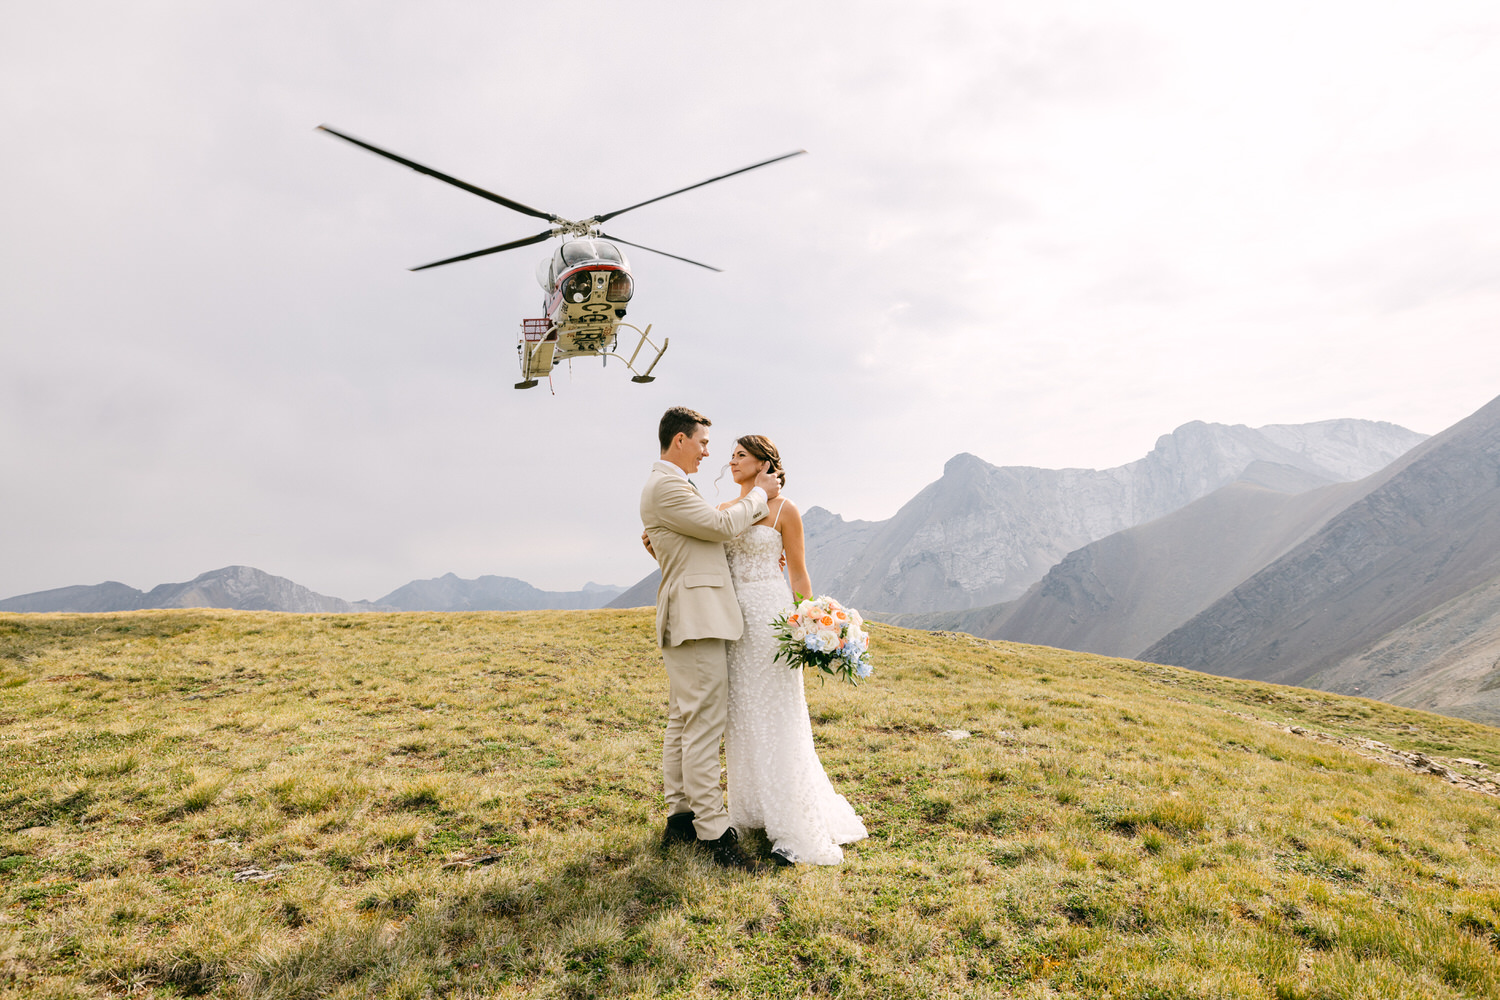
(760, 446)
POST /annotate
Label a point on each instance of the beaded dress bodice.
(755, 555)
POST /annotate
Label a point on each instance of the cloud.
(1041, 235)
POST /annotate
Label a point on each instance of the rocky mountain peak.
(964, 463)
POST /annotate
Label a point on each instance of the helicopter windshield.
(578, 252)
(582, 251)
(620, 287)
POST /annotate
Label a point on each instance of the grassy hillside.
(258, 805)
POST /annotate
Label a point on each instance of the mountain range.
(983, 534)
(1386, 587)
(244, 588)
(1349, 555)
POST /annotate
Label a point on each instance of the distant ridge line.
(245, 588)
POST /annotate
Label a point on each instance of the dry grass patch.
(286, 806)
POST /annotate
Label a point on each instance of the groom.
(696, 611)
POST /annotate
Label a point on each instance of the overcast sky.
(1045, 234)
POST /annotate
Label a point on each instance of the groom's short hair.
(679, 420)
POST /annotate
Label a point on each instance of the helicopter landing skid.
(530, 383)
(645, 341)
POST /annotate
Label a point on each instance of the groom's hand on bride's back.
(769, 483)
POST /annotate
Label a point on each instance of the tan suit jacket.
(696, 599)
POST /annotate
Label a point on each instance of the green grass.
(233, 804)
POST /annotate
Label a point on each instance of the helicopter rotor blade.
(490, 195)
(763, 163)
(638, 246)
(545, 234)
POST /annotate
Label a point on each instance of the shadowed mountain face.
(241, 588)
(1353, 596)
(983, 534)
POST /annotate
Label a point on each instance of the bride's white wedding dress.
(776, 781)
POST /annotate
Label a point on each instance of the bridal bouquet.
(820, 632)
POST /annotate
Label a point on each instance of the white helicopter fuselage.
(589, 286)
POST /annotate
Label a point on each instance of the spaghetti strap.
(778, 512)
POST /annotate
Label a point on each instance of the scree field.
(236, 804)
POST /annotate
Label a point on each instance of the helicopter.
(588, 282)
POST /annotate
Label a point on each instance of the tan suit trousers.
(697, 705)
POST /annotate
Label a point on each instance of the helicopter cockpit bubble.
(578, 252)
(544, 273)
(620, 287)
(579, 287)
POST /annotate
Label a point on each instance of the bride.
(776, 781)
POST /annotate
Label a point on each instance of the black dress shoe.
(679, 829)
(727, 853)
(780, 860)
